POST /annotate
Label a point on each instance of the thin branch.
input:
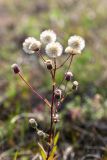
(65, 88)
(63, 62)
(67, 69)
(16, 118)
(36, 93)
(39, 54)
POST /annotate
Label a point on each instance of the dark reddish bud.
(15, 68)
(58, 93)
(68, 76)
(49, 64)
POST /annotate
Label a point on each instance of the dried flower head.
(49, 64)
(54, 49)
(70, 50)
(30, 45)
(76, 42)
(58, 93)
(47, 36)
(15, 68)
(68, 76)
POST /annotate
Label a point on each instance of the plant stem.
(53, 91)
(67, 69)
(52, 105)
(63, 62)
(36, 93)
(64, 78)
(39, 54)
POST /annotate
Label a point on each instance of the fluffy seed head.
(70, 50)
(47, 36)
(30, 45)
(54, 49)
(15, 68)
(76, 42)
(68, 76)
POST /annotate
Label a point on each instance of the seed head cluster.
(52, 47)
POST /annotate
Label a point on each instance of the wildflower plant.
(53, 50)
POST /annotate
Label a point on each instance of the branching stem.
(67, 68)
(63, 62)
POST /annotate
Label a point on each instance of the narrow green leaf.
(56, 138)
(42, 151)
(16, 155)
(51, 157)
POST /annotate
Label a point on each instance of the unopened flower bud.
(58, 93)
(68, 76)
(41, 134)
(75, 85)
(33, 123)
(49, 64)
(55, 118)
(15, 68)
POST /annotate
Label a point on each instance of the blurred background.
(83, 115)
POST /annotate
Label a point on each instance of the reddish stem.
(52, 105)
(36, 93)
